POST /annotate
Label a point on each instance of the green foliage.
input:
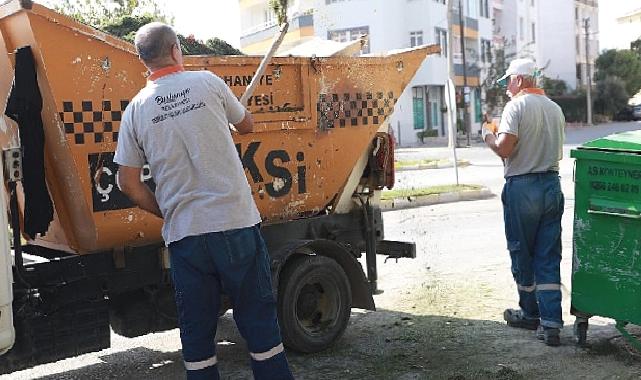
(624, 64)
(554, 87)
(421, 135)
(100, 13)
(280, 10)
(216, 46)
(125, 27)
(611, 96)
(495, 96)
(574, 107)
(635, 46)
(221, 47)
(122, 18)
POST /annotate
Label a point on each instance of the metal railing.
(259, 28)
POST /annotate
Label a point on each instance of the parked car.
(625, 114)
(636, 112)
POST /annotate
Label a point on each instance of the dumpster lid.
(619, 142)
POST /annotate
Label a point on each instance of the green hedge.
(426, 133)
(574, 107)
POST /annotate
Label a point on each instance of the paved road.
(486, 169)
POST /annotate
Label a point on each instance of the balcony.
(470, 23)
(473, 70)
(258, 28)
(589, 3)
(267, 29)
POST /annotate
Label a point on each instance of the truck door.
(7, 332)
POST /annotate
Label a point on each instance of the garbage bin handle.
(612, 213)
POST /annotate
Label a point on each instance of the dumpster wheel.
(581, 331)
(314, 303)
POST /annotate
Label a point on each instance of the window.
(435, 112)
(486, 51)
(576, 13)
(578, 72)
(418, 107)
(578, 44)
(532, 3)
(484, 8)
(416, 38)
(533, 32)
(471, 8)
(350, 34)
(440, 38)
(440, 1)
(334, 1)
(521, 26)
(269, 17)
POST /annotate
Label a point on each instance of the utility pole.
(586, 25)
(450, 89)
(465, 106)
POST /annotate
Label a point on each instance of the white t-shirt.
(179, 124)
(539, 124)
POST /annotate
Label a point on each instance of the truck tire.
(314, 303)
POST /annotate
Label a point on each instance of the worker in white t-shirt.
(179, 124)
(530, 141)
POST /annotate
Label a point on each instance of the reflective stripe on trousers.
(532, 210)
(534, 287)
(262, 356)
(197, 366)
(236, 263)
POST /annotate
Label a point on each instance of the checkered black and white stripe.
(341, 110)
(90, 123)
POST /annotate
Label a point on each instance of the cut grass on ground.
(404, 193)
(411, 163)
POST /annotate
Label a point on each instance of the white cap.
(521, 66)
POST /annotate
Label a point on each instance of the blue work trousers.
(236, 263)
(532, 210)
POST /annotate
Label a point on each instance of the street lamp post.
(465, 95)
(586, 25)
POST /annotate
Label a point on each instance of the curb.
(432, 199)
(437, 165)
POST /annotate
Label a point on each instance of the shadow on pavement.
(394, 345)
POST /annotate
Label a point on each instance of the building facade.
(586, 55)
(396, 24)
(258, 25)
(552, 33)
(629, 27)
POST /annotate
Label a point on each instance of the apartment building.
(258, 25)
(586, 11)
(515, 27)
(389, 25)
(552, 33)
(629, 28)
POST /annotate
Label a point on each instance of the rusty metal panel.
(314, 119)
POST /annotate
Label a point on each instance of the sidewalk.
(426, 200)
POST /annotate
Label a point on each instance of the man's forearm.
(144, 198)
(490, 141)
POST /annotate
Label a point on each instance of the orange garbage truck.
(316, 163)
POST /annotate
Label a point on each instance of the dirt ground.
(439, 318)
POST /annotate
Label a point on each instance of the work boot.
(515, 318)
(549, 335)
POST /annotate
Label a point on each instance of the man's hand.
(503, 145)
(131, 184)
(246, 125)
(487, 130)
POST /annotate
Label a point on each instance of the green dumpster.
(606, 266)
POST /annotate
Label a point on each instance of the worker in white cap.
(529, 139)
